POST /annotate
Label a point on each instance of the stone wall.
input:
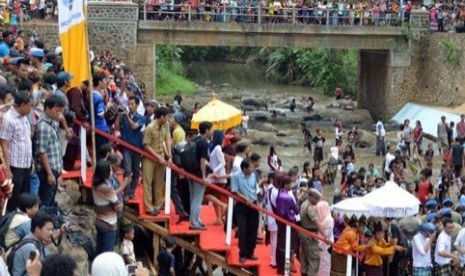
(441, 81)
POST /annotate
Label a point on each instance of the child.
(166, 259)
(429, 154)
(127, 247)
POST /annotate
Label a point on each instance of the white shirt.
(460, 242)
(443, 243)
(273, 195)
(217, 164)
(420, 257)
(389, 158)
(236, 167)
(380, 129)
(245, 121)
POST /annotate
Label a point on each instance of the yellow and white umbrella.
(222, 115)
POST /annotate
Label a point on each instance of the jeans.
(196, 191)
(380, 146)
(35, 184)
(106, 240)
(131, 165)
(47, 192)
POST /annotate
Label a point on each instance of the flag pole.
(91, 94)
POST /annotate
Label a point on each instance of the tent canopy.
(222, 115)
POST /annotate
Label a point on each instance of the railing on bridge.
(259, 15)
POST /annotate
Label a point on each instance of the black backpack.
(189, 158)
(5, 223)
(10, 259)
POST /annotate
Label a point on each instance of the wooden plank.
(214, 258)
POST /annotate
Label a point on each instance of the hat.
(431, 217)
(446, 212)
(431, 203)
(15, 60)
(36, 52)
(65, 76)
(447, 202)
(178, 117)
(427, 227)
(58, 50)
(314, 192)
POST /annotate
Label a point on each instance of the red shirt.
(424, 189)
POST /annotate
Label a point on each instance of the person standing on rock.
(319, 142)
(460, 128)
(380, 138)
(245, 123)
(307, 140)
(443, 145)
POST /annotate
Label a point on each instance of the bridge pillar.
(113, 27)
(146, 67)
(387, 80)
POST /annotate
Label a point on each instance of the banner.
(72, 29)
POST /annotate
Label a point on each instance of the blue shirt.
(4, 50)
(245, 185)
(132, 136)
(99, 107)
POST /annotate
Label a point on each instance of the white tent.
(428, 116)
(391, 201)
(352, 207)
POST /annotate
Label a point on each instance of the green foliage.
(322, 68)
(213, 53)
(450, 51)
(170, 72)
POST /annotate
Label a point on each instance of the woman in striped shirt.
(106, 206)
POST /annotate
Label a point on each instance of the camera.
(121, 109)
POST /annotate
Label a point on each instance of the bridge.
(384, 60)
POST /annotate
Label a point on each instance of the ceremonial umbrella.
(222, 115)
(354, 206)
(391, 201)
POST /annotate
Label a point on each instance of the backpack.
(5, 223)
(189, 159)
(10, 259)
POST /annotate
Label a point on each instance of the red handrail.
(216, 188)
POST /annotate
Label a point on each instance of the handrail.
(215, 187)
(258, 14)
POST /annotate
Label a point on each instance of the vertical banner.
(73, 39)
(82, 137)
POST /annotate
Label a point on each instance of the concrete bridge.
(384, 58)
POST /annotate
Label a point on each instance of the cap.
(431, 203)
(15, 60)
(427, 227)
(58, 50)
(314, 192)
(447, 202)
(36, 52)
(65, 76)
(431, 217)
(178, 117)
(446, 212)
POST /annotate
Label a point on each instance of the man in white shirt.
(380, 142)
(387, 164)
(421, 249)
(443, 253)
(459, 245)
(242, 151)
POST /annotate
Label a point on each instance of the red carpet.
(212, 239)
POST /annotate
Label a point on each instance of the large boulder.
(260, 116)
(266, 127)
(255, 102)
(261, 137)
(366, 139)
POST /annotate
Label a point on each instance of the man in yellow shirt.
(157, 141)
(377, 247)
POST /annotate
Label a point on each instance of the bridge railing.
(170, 167)
(259, 15)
